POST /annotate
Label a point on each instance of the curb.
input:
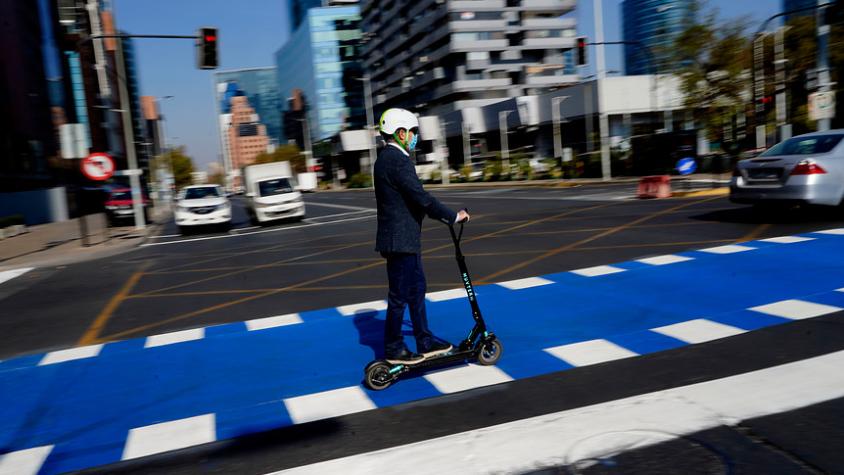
(723, 191)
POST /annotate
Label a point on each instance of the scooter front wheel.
(378, 376)
(490, 352)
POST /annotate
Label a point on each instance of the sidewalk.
(60, 243)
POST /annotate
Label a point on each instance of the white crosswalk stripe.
(24, 462)
(349, 310)
(273, 322)
(525, 283)
(796, 309)
(664, 260)
(334, 403)
(729, 249)
(698, 331)
(590, 352)
(174, 337)
(70, 354)
(172, 435)
(597, 271)
(466, 377)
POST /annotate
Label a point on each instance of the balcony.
(477, 25)
(476, 5)
(549, 23)
(552, 80)
(479, 45)
(554, 42)
(561, 6)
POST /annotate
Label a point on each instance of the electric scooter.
(481, 345)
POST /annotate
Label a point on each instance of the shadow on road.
(776, 215)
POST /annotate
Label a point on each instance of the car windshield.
(805, 145)
(121, 195)
(275, 186)
(199, 193)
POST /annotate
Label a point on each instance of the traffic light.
(581, 50)
(206, 48)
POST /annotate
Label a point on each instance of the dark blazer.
(402, 203)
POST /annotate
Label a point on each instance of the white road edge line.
(611, 427)
(8, 275)
(359, 208)
(226, 236)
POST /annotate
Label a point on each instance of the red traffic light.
(210, 38)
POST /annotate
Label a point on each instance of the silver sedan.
(807, 169)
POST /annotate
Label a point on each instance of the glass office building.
(656, 24)
(260, 86)
(321, 60)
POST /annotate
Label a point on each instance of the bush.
(360, 180)
(465, 173)
(492, 170)
(436, 176)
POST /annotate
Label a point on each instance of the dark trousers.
(407, 289)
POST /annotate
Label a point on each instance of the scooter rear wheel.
(378, 376)
(490, 352)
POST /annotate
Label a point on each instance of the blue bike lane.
(79, 408)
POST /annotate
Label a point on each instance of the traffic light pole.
(758, 86)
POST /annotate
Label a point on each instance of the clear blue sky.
(250, 33)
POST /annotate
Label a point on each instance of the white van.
(271, 193)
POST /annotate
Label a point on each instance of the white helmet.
(395, 119)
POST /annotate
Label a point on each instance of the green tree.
(182, 166)
(285, 153)
(714, 58)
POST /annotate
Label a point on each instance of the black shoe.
(436, 348)
(405, 356)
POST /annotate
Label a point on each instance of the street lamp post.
(163, 121)
(505, 145)
(370, 124)
(128, 133)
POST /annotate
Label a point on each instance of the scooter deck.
(452, 357)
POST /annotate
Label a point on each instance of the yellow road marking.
(93, 332)
(328, 277)
(757, 231)
(589, 239)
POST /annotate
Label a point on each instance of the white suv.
(203, 204)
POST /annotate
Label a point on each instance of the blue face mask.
(412, 145)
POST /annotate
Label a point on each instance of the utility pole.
(467, 143)
(823, 53)
(442, 143)
(370, 123)
(603, 120)
(129, 136)
(759, 88)
(505, 144)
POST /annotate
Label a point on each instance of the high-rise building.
(655, 24)
(27, 135)
(260, 87)
(439, 56)
(321, 60)
(299, 9)
(247, 135)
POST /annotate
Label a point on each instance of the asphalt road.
(212, 276)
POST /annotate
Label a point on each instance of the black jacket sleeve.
(408, 184)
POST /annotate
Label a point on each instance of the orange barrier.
(657, 186)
